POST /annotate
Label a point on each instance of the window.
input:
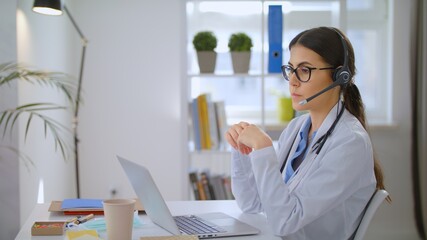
(253, 97)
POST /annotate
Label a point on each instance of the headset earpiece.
(342, 74)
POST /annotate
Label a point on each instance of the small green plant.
(240, 42)
(205, 41)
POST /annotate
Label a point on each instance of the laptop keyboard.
(194, 225)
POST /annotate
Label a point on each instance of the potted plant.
(205, 43)
(10, 72)
(240, 45)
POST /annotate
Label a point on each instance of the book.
(81, 206)
(203, 121)
(218, 187)
(194, 181)
(55, 206)
(196, 124)
(72, 203)
(275, 32)
(221, 123)
(227, 186)
(207, 188)
(201, 189)
(213, 124)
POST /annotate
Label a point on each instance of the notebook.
(143, 184)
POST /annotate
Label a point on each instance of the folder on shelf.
(275, 33)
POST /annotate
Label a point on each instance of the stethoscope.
(318, 145)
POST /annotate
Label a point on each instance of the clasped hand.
(246, 137)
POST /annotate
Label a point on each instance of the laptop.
(218, 224)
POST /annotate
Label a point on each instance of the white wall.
(9, 162)
(132, 94)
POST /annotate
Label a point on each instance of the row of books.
(209, 123)
(207, 187)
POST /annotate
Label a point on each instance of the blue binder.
(275, 33)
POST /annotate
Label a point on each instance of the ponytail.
(354, 104)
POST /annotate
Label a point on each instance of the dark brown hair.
(326, 42)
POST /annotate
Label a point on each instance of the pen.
(72, 220)
(84, 219)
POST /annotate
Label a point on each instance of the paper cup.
(119, 218)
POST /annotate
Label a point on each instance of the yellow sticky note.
(82, 235)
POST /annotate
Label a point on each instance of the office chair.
(371, 208)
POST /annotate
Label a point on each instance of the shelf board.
(229, 75)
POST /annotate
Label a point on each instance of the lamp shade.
(48, 7)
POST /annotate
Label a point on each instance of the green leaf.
(28, 126)
(9, 116)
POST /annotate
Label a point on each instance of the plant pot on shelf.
(240, 45)
(205, 43)
(206, 61)
(241, 61)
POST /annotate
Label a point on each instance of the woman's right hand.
(232, 136)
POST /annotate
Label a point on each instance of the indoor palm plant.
(240, 45)
(205, 43)
(10, 72)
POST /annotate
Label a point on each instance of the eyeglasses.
(303, 73)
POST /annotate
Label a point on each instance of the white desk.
(40, 213)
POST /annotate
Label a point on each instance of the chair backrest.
(371, 208)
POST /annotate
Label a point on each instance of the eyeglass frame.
(294, 70)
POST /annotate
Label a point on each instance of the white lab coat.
(325, 198)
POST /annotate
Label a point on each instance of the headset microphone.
(305, 101)
(341, 76)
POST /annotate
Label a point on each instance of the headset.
(342, 75)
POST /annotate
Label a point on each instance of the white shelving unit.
(223, 80)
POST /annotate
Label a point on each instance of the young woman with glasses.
(316, 184)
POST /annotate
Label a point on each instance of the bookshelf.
(223, 84)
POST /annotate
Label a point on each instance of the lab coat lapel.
(292, 143)
(327, 123)
(311, 155)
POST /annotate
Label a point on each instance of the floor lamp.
(53, 7)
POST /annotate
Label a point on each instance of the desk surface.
(40, 213)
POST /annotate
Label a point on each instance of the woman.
(323, 174)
